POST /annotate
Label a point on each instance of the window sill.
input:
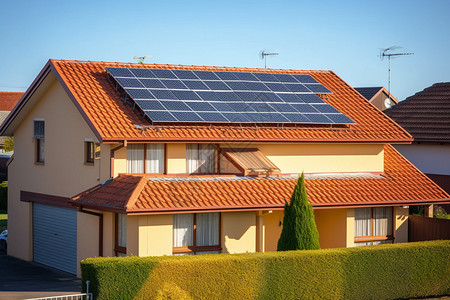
(373, 238)
(191, 249)
(88, 163)
(37, 163)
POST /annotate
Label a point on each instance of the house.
(426, 116)
(116, 159)
(378, 96)
(7, 102)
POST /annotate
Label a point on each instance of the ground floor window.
(196, 233)
(121, 235)
(373, 226)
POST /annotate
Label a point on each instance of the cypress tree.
(299, 228)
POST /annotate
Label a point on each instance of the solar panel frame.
(185, 74)
(317, 88)
(129, 82)
(140, 94)
(206, 75)
(152, 83)
(164, 74)
(150, 104)
(172, 95)
(142, 73)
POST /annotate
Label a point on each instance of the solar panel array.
(169, 95)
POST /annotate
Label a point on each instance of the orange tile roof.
(8, 100)
(401, 184)
(94, 93)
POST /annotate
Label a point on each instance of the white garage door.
(55, 237)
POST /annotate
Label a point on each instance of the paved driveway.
(21, 279)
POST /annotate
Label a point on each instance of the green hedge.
(373, 272)
(4, 196)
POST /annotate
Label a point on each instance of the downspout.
(100, 228)
(111, 173)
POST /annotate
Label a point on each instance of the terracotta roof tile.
(401, 184)
(95, 93)
(8, 100)
(425, 115)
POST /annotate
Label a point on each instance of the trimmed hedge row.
(372, 272)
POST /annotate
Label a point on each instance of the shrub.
(373, 272)
(299, 228)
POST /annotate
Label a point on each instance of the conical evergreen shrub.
(299, 228)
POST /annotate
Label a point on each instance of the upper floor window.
(373, 226)
(201, 158)
(196, 233)
(39, 137)
(92, 151)
(145, 158)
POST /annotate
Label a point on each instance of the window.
(121, 235)
(373, 226)
(196, 233)
(92, 152)
(145, 158)
(201, 158)
(39, 137)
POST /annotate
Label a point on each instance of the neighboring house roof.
(425, 115)
(94, 94)
(371, 93)
(400, 184)
(368, 92)
(8, 100)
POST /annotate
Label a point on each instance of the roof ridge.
(264, 70)
(137, 192)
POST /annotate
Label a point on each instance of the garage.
(55, 237)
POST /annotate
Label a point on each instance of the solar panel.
(167, 95)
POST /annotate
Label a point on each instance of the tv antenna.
(388, 53)
(140, 59)
(263, 55)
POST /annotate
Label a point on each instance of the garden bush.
(373, 272)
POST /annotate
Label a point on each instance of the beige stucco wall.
(332, 227)
(120, 160)
(238, 232)
(87, 236)
(321, 158)
(108, 234)
(64, 172)
(401, 224)
(350, 227)
(176, 158)
(155, 235)
(132, 235)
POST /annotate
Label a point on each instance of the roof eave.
(241, 140)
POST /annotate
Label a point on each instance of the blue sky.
(343, 36)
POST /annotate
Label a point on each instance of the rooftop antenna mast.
(263, 55)
(140, 59)
(387, 53)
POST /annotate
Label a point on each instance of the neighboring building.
(378, 96)
(95, 175)
(7, 102)
(426, 116)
